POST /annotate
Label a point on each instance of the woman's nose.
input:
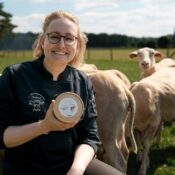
(61, 42)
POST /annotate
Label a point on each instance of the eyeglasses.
(55, 38)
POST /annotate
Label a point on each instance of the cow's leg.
(148, 137)
(114, 157)
(110, 153)
(144, 161)
(138, 137)
(158, 133)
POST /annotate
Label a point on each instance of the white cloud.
(32, 23)
(134, 18)
(144, 20)
(95, 5)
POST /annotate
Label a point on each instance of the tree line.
(24, 41)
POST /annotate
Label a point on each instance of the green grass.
(116, 53)
(162, 159)
(127, 66)
(165, 171)
(8, 60)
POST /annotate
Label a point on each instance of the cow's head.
(146, 57)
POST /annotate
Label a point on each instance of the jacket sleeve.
(86, 129)
(6, 102)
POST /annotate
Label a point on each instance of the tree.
(163, 42)
(151, 43)
(5, 22)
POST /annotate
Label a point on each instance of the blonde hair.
(81, 37)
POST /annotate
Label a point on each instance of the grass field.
(162, 159)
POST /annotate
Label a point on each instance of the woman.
(35, 142)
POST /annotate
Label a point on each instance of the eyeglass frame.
(62, 36)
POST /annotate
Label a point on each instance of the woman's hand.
(51, 123)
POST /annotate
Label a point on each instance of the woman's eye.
(69, 38)
(54, 37)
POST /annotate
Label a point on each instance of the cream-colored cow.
(155, 101)
(92, 68)
(147, 61)
(115, 106)
(114, 101)
(87, 67)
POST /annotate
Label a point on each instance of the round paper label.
(68, 107)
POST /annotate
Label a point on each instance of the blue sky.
(140, 18)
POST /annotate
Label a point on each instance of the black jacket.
(26, 91)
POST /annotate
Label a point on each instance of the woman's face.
(60, 42)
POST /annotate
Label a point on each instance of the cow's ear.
(158, 54)
(133, 55)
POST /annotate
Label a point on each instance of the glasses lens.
(56, 37)
(69, 40)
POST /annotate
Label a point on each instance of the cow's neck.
(149, 72)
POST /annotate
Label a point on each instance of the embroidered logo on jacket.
(36, 100)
